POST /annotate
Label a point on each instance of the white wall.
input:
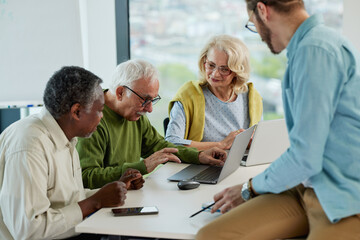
(38, 37)
(99, 37)
(351, 21)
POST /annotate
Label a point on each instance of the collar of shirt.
(113, 114)
(303, 29)
(55, 131)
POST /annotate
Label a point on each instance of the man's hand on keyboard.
(213, 156)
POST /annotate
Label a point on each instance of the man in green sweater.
(125, 134)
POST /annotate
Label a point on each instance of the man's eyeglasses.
(223, 70)
(250, 25)
(146, 101)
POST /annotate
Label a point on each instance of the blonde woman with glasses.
(212, 111)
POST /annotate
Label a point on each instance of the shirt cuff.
(90, 192)
(136, 165)
(72, 215)
(188, 154)
(259, 185)
(178, 141)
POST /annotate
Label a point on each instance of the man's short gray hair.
(130, 71)
(68, 86)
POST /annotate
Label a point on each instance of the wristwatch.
(246, 191)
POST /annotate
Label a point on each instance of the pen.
(202, 210)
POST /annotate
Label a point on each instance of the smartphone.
(135, 211)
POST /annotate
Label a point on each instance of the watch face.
(245, 193)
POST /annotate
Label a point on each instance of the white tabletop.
(175, 206)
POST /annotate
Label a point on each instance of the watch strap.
(251, 190)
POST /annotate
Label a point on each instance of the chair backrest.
(166, 122)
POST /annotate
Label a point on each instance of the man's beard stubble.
(265, 35)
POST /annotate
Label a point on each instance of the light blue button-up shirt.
(321, 91)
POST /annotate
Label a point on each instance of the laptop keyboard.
(209, 174)
(243, 160)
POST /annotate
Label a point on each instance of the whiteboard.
(37, 38)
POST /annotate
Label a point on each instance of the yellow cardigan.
(192, 98)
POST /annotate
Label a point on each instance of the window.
(171, 33)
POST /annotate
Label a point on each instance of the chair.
(165, 123)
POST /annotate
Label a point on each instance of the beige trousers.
(293, 213)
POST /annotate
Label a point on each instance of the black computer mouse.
(188, 184)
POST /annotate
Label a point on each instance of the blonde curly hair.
(238, 60)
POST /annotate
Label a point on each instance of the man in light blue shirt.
(314, 187)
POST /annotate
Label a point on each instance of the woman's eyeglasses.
(223, 70)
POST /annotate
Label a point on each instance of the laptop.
(214, 174)
(270, 140)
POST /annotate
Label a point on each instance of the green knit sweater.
(118, 144)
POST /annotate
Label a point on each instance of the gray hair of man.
(128, 72)
(68, 86)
